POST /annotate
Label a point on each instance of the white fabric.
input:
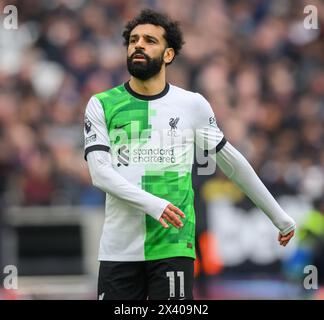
(124, 230)
(237, 168)
(123, 234)
(208, 135)
(98, 131)
(106, 178)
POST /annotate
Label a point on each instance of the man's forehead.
(149, 30)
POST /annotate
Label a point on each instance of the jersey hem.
(174, 255)
(119, 258)
(152, 257)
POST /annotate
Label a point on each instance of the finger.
(164, 224)
(288, 240)
(284, 240)
(166, 217)
(167, 214)
(176, 210)
(284, 243)
(173, 217)
(290, 234)
(287, 237)
(179, 212)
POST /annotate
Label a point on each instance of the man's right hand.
(171, 214)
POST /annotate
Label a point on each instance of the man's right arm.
(106, 178)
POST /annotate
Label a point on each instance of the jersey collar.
(145, 97)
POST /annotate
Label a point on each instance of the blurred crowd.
(260, 69)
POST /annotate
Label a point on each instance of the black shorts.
(162, 279)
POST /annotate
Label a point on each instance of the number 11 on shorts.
(171, 276)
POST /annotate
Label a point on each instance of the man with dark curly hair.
(139, 144)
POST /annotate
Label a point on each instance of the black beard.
(144, 70)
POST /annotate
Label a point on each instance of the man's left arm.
(237, 168)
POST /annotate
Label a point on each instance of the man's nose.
(139, 44)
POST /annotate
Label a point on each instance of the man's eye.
(132, 41)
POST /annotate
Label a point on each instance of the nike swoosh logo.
(122, 125)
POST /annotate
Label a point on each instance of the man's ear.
(168, 55)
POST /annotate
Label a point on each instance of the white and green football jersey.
(151, 140)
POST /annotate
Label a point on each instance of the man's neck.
(148, 87)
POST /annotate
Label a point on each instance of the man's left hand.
(285, 239)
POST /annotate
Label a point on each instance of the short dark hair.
(172, 35)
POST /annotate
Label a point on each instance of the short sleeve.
(207, 134)
(95, 129)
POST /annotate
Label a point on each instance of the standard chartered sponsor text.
(153, 155)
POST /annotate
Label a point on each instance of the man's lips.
(139, 57)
